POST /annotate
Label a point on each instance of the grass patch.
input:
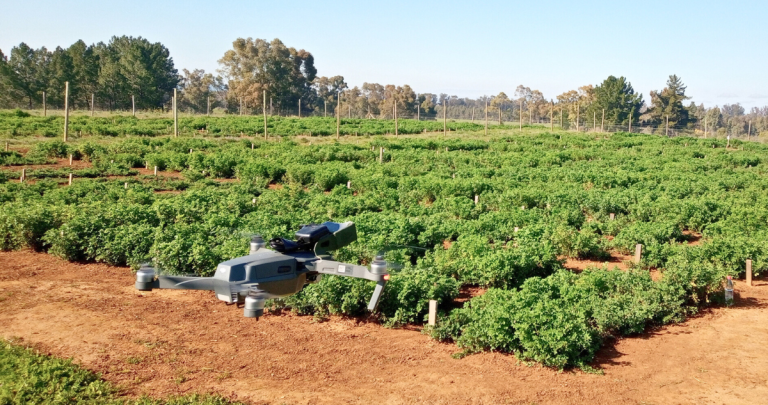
(28, 377)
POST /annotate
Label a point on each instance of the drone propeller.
(380, 260)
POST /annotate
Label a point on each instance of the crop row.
(540, 199)
(15, 126)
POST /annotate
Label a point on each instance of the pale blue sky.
(460, 48)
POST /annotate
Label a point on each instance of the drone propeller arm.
(348, 270)
(351, 270)
(146, 280)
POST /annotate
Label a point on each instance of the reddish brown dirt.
(617, 260)
(151, 172)
(60, 164)
(165, 342)
(692, 238)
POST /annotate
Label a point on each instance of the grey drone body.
(266, 273)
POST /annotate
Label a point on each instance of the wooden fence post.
(45, 107)
(445, 115)
(175, 116)
(338, 113)
(432, 313)
(749, 272)
(638, 253)
(264, 103)
(396, 126)
(630, 121)
(93, 105)
(133, 105)
(551, 115)
(578, 113)
(602, 122)
(66, 110)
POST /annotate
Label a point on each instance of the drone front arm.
(146, 280)
(351, 270)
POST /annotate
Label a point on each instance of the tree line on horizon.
(110, 74)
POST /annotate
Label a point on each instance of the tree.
(427, 103)
(499, 102)
(619, 100)
(29, 68)
(9, 93)
(327, 90)
(668, 104)
(198, 87)
(253, 66)
(131, 66)
(84, 74)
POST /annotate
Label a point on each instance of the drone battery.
(312, 233)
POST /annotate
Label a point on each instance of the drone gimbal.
(282, 271)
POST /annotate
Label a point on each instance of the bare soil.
(173, 342)
(615, 261)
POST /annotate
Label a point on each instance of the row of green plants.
(540, 199)
(13, 125)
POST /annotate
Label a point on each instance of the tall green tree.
(619, 100)
(84, 74)
(198, 87)
(147, 69)
(327, 89)
(668, 103)
(253, 66)
(30, 67)
(9, 94)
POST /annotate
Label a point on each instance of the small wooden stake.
(6, 146)
(349, 184)
(23, 175)
(381, 155)
(749, 272)
(70, 159)
(517, 229)
(432, 313)
(70, 179)
(126, 185)
(155, 170)
(613, 216)
(638, 253)
(476, 199)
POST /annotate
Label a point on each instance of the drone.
(281, 271)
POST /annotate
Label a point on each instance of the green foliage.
(27, 377)
(541, 199)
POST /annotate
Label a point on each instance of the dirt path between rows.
(165, 342)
